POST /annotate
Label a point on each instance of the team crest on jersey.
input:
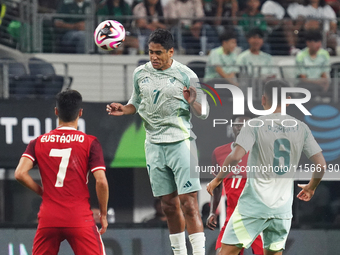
(172, 80)
(145, 80)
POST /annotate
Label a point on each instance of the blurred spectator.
(221, 64)
(47, 6)
(116, 9)
(251, 17)
(150, 16)
(159, 217)
(226, 9)
(335, 4)
(72, 30)
(10, 27)
(211, 23)
(324, 18)
(256, 62)
(313, 64)
(242, 4)
(188, 15)
(283, 17)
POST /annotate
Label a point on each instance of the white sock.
(178, 243)
(197, 241)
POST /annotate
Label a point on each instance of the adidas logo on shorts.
(187, 185)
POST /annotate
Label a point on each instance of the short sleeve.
(272, 8)
(199, 13)
(300, 70)
(247, 137)
(310, 147)
(96, 158)
(30, 151)
(215, 59)
(330, 13)
(326, 65)
(135, 99)
(194, 82)
(170, 10)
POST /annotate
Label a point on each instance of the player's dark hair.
(163, 37)
(255, 32)
(268, 89)
(322, 3)
(69, 103)
(227, 35)
(158, 9)
(313, 35)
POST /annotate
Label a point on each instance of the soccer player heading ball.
(163, 94)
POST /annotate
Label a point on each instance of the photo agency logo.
(238, 104)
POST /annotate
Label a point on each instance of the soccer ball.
(109, 34)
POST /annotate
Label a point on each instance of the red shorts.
(83, 240)
(257, 245)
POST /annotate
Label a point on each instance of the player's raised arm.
(308, 190)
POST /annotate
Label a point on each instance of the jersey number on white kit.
(64, 154)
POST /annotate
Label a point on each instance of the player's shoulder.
(323, 53)
(265, 55)
(302, 54)
(141, 68)
(223, 148)
(183, 69)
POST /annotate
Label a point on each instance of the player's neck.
(277, 110)
(73, 124)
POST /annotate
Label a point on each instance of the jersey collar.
(66, 128)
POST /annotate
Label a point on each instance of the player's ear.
(56, 112)
(80, 112)
(171, 52)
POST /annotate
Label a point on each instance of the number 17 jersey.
(64, 157)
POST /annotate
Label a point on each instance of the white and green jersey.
(217, 57)
(313, 68)
(275, 151)
(158, 97)
(257, 65)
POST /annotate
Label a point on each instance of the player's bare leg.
(191, 212)
(193, 222)
(172, 209)
(267, 252)
(227, 249)
(176, 223)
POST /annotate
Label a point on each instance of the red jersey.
(65, 156)
(234, 183)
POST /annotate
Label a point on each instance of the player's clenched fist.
(115, 109)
